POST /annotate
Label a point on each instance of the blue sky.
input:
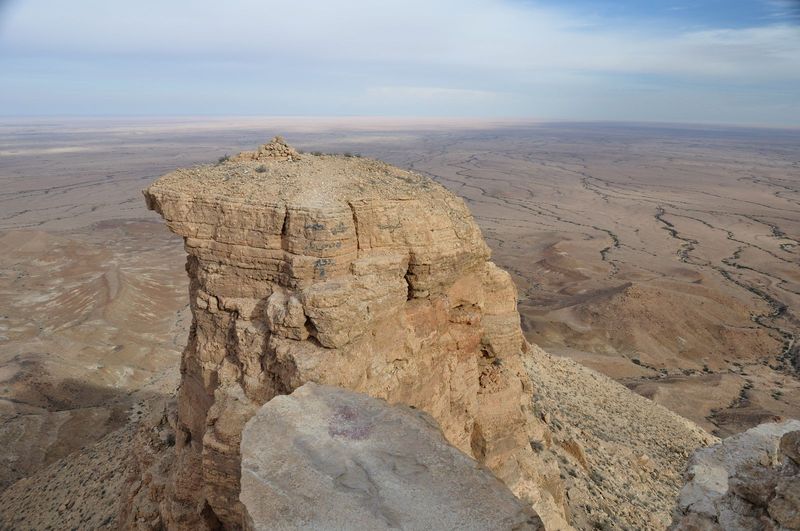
(705, 61)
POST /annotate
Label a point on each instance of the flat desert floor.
(667, 257)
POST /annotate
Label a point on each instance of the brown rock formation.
(351, 273)
(327, 458)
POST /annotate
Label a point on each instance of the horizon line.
(526, 120)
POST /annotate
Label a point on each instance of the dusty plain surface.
(665, 257)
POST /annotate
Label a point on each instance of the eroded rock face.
(327, 458)
(347, 272)
(750, 481)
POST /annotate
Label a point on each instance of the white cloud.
(420, 57)
(484, 34)
(430, 94)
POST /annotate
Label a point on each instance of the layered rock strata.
(351, 273)
(328, 458)
(750, 481)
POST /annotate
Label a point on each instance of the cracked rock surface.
(328, 458)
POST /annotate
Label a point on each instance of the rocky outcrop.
(346, 272)
(327, 458)
(750, 481)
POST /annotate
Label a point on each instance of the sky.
(704, 61)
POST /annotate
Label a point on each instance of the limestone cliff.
(352, 273)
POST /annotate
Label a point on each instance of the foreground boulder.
(750, 481)
(327, 458)
(347, 272)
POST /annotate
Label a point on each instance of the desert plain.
(665, 256)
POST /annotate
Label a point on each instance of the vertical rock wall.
(351, 273)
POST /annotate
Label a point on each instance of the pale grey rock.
(327, 458)
(746, 482)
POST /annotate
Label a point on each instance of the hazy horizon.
(380, 122)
